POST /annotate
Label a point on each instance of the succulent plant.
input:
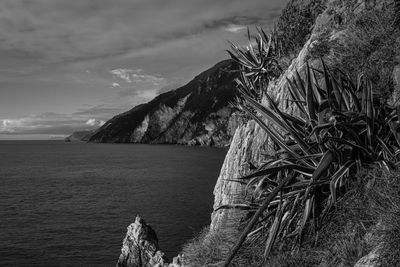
(339, 127)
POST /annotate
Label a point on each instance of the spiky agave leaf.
(238, 206)
(333, 131)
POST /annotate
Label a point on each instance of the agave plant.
(258, 60)
(338, 127)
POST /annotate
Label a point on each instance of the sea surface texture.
(68, 204)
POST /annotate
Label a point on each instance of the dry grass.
(366, 216)
(208, 248)
(340, 242)
(363, 43)
(211, 249)
(384, 197)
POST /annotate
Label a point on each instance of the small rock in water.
(140, 248)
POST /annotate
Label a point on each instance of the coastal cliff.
(332, 36)
(198, 113)
(250, 145)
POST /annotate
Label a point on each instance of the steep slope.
(195, 114)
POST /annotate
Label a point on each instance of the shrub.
(339, 128)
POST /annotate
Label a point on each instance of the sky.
(72, 65)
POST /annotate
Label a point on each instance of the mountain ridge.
(198, 113)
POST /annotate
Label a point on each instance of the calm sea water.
(68, 204)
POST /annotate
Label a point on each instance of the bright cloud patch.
(50, 124)
(9, 125)
(137, 75)
(123, 74)
(235, 28)
(136, 86)
(94, 122)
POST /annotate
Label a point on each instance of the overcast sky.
(72, 64)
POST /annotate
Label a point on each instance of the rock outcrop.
(140, 248)
(247, 146)
(198, 113)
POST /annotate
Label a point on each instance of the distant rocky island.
(83, 135)
(198, 113)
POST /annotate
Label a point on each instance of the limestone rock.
(369, 260)
(247, 146)
(140, 247)
(139, 132)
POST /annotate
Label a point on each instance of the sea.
(69, 204)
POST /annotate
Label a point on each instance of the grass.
(359, 42)
(211, 249)
(384, 196)
(294, 26)
(367, 215)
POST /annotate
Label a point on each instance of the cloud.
(9, 125)
(94, 122)
(52, 123)
(129, 76)
(42, 124)
(67, 31)
(58, 55)
(103, 111)
(123, 74)
(235, 28)
(137, 85)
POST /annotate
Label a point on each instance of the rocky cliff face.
(195, 114)
(248, 144)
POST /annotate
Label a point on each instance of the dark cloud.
(82, 30)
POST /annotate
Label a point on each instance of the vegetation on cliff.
(364, 217)
(316, 199)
